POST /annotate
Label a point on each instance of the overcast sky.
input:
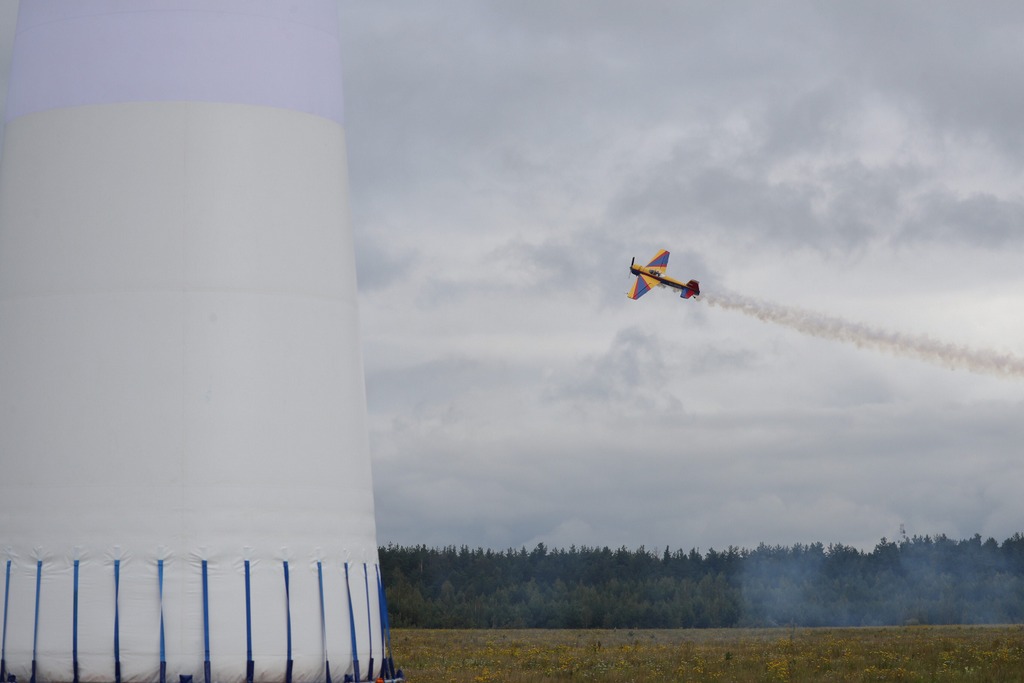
(861, 162)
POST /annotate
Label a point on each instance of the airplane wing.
(643, 284)
(659, 262)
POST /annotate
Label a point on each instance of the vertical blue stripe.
(369, 617)
(288, 609)
(249, 664)
(160, 586)
(74, 628)
(323, 620)
(288, 622)
(3, 638)
(352, 625)
(385, 626)
(163, 648)
(117, 621)
(35, 627)
(206, 624)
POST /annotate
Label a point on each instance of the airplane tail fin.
(692, 289)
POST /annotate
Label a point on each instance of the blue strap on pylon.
(35, 628)
(3, 638)
(352, 627)
(369, 619)
(323, 621)
(206, 624)
(288, 616)
(74, 628)
(389, 662)
(117, 622)
(163, 649)
(250, 665)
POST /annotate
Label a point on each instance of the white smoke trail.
(910, 346)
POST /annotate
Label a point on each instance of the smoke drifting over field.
(864, 336)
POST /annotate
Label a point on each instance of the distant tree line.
(918, 580)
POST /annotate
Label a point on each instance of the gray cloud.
(769, 150)
(979, 219)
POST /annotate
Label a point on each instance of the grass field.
(918, 653)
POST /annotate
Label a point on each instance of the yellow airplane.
(653, 275)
